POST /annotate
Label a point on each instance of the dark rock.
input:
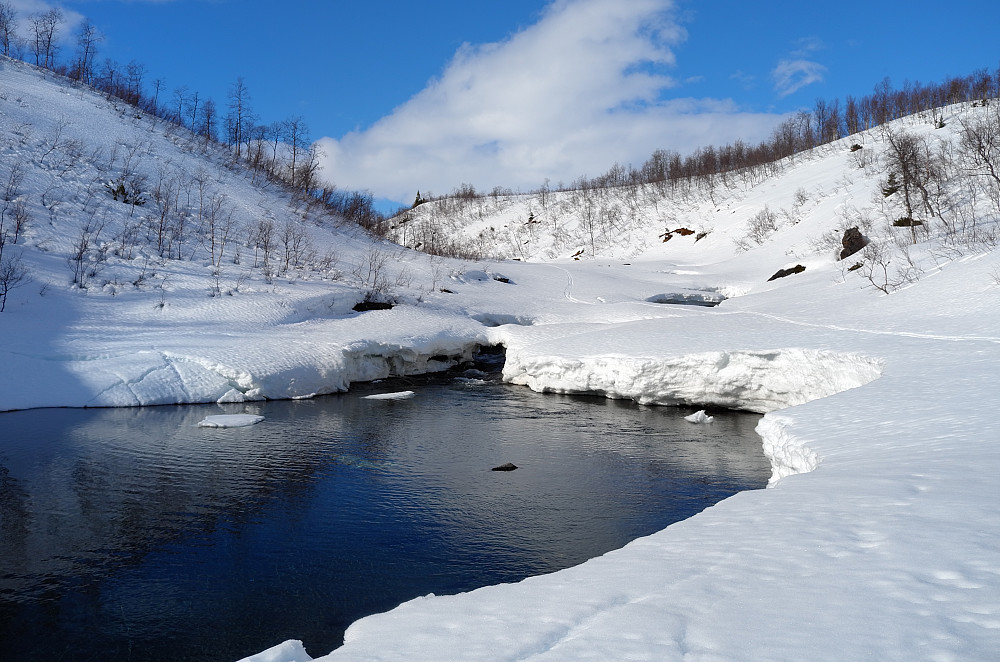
(906, 222)
(684, 232)
(781, 273)
(852, 242)
(855, 266)
(508, 466)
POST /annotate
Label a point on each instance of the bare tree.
(263, 243)
(110, 79)
(13, 211)
(219, 227)
(13, 273)
(296, 135)
(295, 244)
(193, 105)
(86, 42)
(180, 101)
(240, 117)
(920, 173)
(44, 27)
(8, 19)
(981, 144)
(209, 119)
(134, 73)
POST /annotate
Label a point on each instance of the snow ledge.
(758, 381)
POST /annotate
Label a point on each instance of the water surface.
(133, 534)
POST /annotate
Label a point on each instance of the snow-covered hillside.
(879, 537)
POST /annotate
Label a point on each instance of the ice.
(397, 395)
(230, 421)
(699, 417)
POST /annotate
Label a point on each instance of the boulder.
(852, 242)
(507, 466)
(781, 273)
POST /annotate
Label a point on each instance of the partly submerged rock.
(507, 466)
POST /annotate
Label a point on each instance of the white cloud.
(24, 9)
(579, 90)
(792, 75)
(807, 45)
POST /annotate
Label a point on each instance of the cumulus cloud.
(584, 87)
(792, 75)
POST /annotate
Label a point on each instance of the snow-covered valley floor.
(878, 539)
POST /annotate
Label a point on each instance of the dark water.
(133, 534)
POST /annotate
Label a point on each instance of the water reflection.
(135, 534)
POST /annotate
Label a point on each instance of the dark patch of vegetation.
(366, 305)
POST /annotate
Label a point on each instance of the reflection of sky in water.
(133, 529)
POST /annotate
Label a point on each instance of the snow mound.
(699, 417)
(288, 651)
(230, 421)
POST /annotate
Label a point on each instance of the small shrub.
(126, 191)
(761, 226)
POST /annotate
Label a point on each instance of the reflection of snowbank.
(230, 421)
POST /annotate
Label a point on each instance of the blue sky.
(432, 94)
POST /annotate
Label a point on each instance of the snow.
(879, 536)
(288, 651)
(699, 417)
(398, 395)
(230, 421)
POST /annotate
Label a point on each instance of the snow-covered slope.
(879, 537)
